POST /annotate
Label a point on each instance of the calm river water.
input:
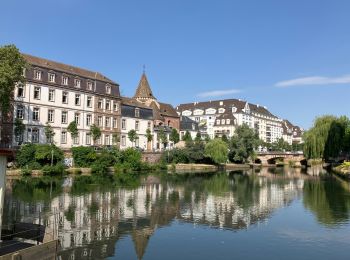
(277, 213)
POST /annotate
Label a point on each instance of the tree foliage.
(162, 137)
(149, 135)
(19, 127)
(73, 129)
(95, 132)
(217, 150)
(132, 135)
(38, 154)
(174, 136)
(11, 72)
(198, 137)
(328, 138)
(243, 144)
(187, 137)
(49, 133)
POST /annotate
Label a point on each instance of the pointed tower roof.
(143, 91)
(141, 238)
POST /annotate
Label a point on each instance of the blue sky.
(291, 56)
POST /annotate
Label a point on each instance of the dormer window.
(223, 121)
(77, 83)
(227, 121)
(65, 80)
(89, 85)
(234, 109)
(137, 112)
(221, 103)
(218, 122)
(52, 77)
(221, 110)
(37, 74)
(108, 89)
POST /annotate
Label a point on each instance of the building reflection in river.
(89, 219)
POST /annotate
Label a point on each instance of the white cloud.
(219, 93)
(316, 80)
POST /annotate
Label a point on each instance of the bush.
(57, 169)
(83, 156)
(26, 172)
(25, 155)
(131, 158)
(176, 156)
(37, 155)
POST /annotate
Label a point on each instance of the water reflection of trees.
(96, 213)
(328, 200)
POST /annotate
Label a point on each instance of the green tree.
(187, 137)
(12, 64)
(198, 137)
(162, 137)
(132, 135)
(224, 138)
(149, 135)
(281, 145)
(217, 150)
(95, 132)
(243, 144)
(73, 129)
(19, 129)
(115, 138)
(326, 139)
(207, 138)
(49, 133)
(174, 136)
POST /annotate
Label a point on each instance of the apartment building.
(57, 94)
(138, 117)
(222, 116)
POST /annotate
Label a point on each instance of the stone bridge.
(289, 158)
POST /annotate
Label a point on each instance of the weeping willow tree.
(326, 138)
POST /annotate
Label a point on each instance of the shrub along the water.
(40, 156)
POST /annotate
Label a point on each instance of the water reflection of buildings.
(89, 225)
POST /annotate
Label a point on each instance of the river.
(279, 213)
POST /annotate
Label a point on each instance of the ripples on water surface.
(268, 214)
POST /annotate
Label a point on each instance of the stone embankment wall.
(151, 157)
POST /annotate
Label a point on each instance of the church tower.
(144, 92)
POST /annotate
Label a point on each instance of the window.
(65, 97)
(89, 85)
(77, 99)
(137, 112)
(63, 137)
(218, 122)
(51, 95)
(123, 124)
(98, 141)
(108, 104)
(197, 118)
(227, 121)
(137, 142)
(50, 115)
(76, 139)
(88, 120)
(20, 90)
(108, 89)
(64, 117)
(222, 121)
(123, 140)
(88, 139)
(137, 125)
(35, 135)
(100, 103)
(77, 83)
(89, 101)
(52, 77)
(99, 121)
(36, 92)
(115, 106)
(77, 118)
(36, 114)
(37, 74)
(149, 125)
(65, 80)
(114, 123)
(20, 112)
(108, 122)
(107, 140)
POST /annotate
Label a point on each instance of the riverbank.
(342, 170)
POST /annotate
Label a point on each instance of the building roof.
(225, 116)
(187, 123)
(132, 102)
(227, 104)
(54, 65)
(167, 110)
(144, 90)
